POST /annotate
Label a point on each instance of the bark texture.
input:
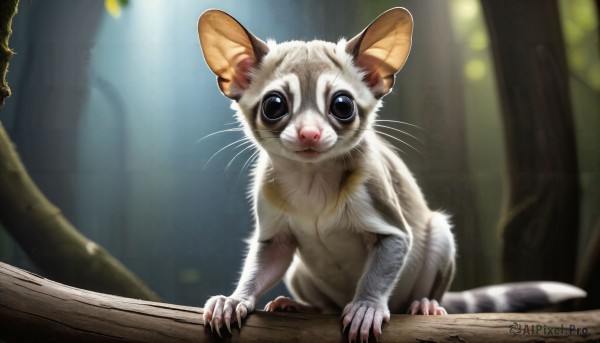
(36, 309)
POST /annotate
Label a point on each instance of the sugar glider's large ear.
(230, 51)
(382, 48)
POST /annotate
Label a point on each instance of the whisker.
(243, 140)
(401, 131)
(399, 122)
(399, 140)
(397, 149)
(237, 129)
(249, 161)
(238, 154)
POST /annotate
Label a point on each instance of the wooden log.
(33, 308)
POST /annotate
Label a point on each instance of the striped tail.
(510, 297)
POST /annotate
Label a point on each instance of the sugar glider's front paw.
(219, 309)
(362, 316)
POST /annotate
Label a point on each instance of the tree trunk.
(588, 272)
(541, 222)
(39, 227)
(36, 309)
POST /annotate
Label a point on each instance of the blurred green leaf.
(114, 7)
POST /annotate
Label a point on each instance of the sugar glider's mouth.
(309, 153)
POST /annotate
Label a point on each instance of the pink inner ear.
(372, 77)
(241, 78)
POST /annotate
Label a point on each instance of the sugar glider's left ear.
(230, 51)
(382, 48)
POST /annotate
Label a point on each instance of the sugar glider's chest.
(328, 247)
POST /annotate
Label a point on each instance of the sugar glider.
(339, 217)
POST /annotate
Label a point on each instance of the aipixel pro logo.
(545, 330)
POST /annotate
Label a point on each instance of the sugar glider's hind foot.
(285, 304)
(426, 307)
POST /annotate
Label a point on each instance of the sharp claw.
(239, 319)
(377, 332)
(211, 326)
(228, 326)
(219, 331)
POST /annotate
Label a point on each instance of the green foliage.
(580, 30)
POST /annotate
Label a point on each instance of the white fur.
(470, 302)
(558, 291)
(498, 294)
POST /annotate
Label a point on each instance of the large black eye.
(343, 108)
(274, 107)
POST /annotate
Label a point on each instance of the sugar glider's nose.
(309, 135)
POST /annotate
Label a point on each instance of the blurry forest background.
(111, 99)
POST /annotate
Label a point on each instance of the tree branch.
(51, 241)
(36, 309)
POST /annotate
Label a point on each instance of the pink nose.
(309, 134)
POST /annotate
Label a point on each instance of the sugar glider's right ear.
(230, 51)
(382, 48)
